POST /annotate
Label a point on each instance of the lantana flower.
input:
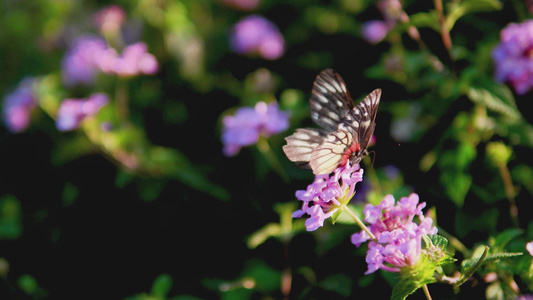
(374, 31)
(398, 238)
(134, 60)
(18, 105)
(73, 111)
(248, 124)
(91, 55)
(327, 194)
(257, 35)
(109, 19)
(81, 63)
(513, 56)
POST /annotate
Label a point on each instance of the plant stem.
(359, 222)
(266, 150)
(286, 277)
(455, 242)
(445, 32)
(121, 100)
(474, 268)
(426, 291)
(509, 192)
(375, 181)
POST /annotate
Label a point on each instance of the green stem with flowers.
(359, 222)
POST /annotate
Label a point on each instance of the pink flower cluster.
(398, 238)
(257, 35)
(109, 19)
(327, 194)
(248, 124)
(18, 105)
(73, 111)
(374, 31)
(90, 55)
(513, 56)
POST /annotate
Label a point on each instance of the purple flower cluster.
(82, 62)
(257, 35)
(513, 56)
(327, 194)
(18, 105)
(90, 55)
(374, 31)
(398, 238)
(245, 127)
(73, 111)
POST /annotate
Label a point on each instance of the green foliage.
(284, 230)
(421, 274)
(105, 200)
(30, 287)
(10, 217)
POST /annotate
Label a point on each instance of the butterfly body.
(346, 132)
(351, 154)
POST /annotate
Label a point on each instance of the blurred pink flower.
(73, 111)
(18, 105)
(374, 31)
(513, 56)
(109, 19)
(257, 35)
(248, 124)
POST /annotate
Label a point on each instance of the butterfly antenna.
(373, 156)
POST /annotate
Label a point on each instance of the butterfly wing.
(350, 139)
(330, 100)
(302, 143)
(326, 157)
(360, 121)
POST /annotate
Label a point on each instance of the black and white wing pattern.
(351, 138)
(301, 144)
(347, 129)
(330, 100)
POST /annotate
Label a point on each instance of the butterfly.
(346, 129)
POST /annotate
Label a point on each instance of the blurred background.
(114, 182)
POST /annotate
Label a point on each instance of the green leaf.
(468, 263)
(260, 236)
(426, 19)
(10, 217)
(265, 277)
(403, 289)
(457, 186)
(435, 248)
(494, 97)
(339, 283)
(161, 286)
(503, 238)
(70, 194)
(435, 240)
(30, 286)
(462, 8)
(343, 217)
